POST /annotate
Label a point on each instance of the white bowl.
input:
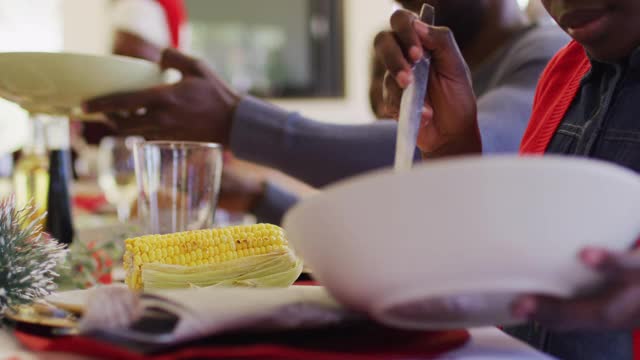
(57, 83)
(451, 243)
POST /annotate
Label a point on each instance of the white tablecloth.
(485, 344)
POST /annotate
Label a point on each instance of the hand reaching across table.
(197, 108)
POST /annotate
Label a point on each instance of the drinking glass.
(116, 172)
(178, 185)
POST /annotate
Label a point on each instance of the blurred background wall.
(84, 26)
(86, 30)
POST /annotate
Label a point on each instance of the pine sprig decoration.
(28, 257)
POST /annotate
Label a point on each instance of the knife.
(411, 104)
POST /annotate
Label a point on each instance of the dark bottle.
(59, 220)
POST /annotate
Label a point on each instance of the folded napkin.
(174, 316)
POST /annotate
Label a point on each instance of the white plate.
(57, 83)
(451, 243)
(14, 123)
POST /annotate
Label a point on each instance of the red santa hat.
(161, 22)
(176, 18)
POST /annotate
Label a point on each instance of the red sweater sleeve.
(556, 90)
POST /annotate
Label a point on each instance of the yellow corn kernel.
(199, 247)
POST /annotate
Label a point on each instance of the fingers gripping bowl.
(452, 243)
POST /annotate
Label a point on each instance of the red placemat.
(370, 343)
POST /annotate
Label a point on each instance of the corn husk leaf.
(276, 269)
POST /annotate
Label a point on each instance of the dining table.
(486, 343)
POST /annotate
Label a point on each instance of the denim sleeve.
(275, 202)
(315, 152)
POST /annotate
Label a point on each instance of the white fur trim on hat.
(144, 18)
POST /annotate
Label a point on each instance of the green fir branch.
(28, 256)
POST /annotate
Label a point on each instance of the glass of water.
(178, 185)
(116, 172)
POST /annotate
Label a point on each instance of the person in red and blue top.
(586, 105)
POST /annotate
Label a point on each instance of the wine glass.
(116, 172)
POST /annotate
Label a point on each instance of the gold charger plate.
(42, 314)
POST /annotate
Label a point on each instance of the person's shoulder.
(531, 51)
(540, 42)
(546, 31)
(570, 55)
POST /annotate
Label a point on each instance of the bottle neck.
(58, 133)
(37, 144)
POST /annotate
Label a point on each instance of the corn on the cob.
(232, 255)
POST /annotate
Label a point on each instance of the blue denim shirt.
(603, 122)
